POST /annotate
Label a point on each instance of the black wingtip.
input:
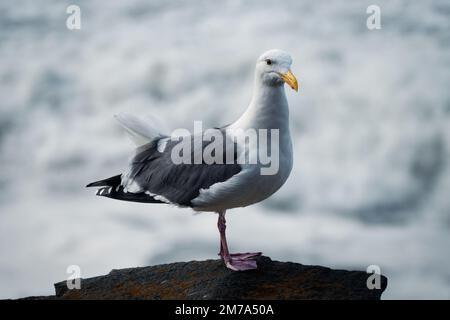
(96, 184)
(110, 182)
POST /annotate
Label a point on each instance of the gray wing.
(155, 172)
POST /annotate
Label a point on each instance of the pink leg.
(234, 261)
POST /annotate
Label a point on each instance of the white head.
(273, 69)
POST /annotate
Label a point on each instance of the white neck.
(268, 109)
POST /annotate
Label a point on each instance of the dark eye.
(269, 62)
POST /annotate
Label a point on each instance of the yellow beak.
(290, 79)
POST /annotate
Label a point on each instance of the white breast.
(247, 187)
(268, 110)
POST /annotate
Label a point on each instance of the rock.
(211, 280)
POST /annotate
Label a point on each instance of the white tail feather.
(140, 131)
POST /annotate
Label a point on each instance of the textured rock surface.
(211, 280)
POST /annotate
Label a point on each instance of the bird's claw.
(241, 261)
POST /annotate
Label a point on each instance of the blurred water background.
(370, 124)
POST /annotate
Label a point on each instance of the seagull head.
(273, 68)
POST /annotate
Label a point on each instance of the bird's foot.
(241, 261)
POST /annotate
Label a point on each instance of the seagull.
(152, 175)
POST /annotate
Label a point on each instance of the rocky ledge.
(211, 280)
